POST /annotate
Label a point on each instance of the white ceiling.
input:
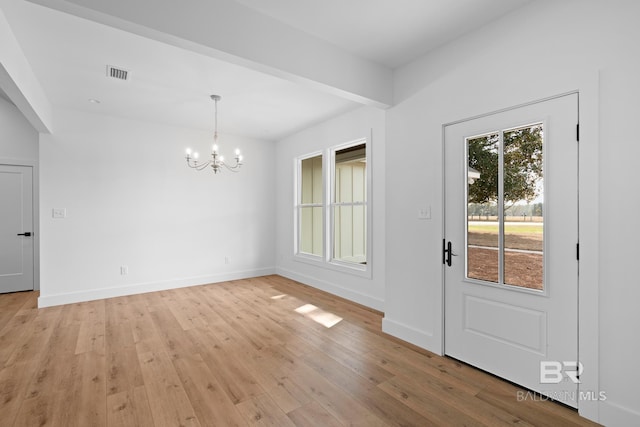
(171, 85)
(390, 32)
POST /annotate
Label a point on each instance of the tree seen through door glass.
(508, 250)
(482, 208)
(523, 202)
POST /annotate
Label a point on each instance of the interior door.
(16, 228)
(510, 248)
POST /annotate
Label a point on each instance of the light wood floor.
(248, 352)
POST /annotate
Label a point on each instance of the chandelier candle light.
(217, 161)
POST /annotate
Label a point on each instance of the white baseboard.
(412, 335)
(332, 288)
(614, 415)
(140, 288)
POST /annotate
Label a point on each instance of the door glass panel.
(523, 207)
(482, 208)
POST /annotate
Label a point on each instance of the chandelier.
(216, 161)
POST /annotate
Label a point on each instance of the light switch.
(424, 213)
(59, 213)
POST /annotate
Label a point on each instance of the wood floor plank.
(31, 345)
(210, 402)
(167, 398)
(16, 333)
(271, 370)
(13, 387)
(313, 415)
(438, 412)
(11, 304)
(91, 391)
(92, 328)
(546, 413)
(434, 390)
(129, 408)
(262, 411)
(393, 412)
(227, 367)
(245, 352)
(123, 370)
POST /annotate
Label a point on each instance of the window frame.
(329, 179)
(298, 207)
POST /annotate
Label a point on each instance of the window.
(333, 226)
(349, 204)
(311, 207)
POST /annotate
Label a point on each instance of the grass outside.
(509, 228)
(508, 218)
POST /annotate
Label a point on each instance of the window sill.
(361, 270)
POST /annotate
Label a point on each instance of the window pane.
(523, 203)
(311, 177)
(482, 208)
(311, 230)
(351, 175)
(350, 234)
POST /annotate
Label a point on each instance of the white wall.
(366, 122)
(131, 200)
(18, 139)
(544, 49)
(19, 146)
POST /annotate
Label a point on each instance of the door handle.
(446, 252)
(27, 234)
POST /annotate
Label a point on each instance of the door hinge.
(578, 251)
(578, 132)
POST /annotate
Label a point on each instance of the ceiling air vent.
(117, 73)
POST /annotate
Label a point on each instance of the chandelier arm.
(198, 166)
(232, 168)
(203, 166)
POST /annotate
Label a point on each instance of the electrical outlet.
(226, 260)
(124, 270)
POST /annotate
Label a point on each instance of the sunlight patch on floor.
(320, 316)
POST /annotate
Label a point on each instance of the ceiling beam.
(19, 83)
(230, 31)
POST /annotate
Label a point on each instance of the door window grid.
(505, 225)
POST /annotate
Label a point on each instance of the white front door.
(16, 228)
(510, 248)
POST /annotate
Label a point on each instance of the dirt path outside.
(520, 269)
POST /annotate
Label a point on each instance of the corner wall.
(544, 49)
(365, 122)
(132, 201)
(19, 146)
